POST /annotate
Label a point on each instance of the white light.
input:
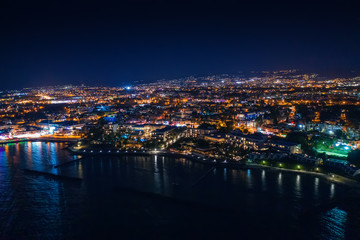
(51, 130)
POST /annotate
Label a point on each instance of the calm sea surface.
(162, 198)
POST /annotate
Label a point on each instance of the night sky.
(117, 43)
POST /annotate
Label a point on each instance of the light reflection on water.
(249, 179)
(263, 180)
(256, 191)
(316, 188)
(332, 190)
(334, 224)
(157, 177)
(298, 186)
(280, 183)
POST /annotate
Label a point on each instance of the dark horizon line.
(334, 74)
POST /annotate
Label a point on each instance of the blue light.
(110, 119)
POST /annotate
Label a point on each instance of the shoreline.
(333, 178)
(21, 140)
(338, 179)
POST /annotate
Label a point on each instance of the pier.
(51, 175)
(68, 162)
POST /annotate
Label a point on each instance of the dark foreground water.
(163, 198)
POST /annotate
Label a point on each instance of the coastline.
(332, 178)
(42, 139)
